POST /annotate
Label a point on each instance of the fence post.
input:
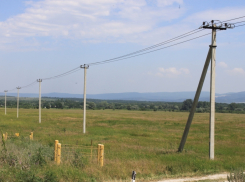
(3, 138)
(6, 136)
(55, 149)
(101, 155)
(98, 157)
(91, 149)
(58, 153)
(31, 136)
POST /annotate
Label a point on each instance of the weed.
(50, 177)
(236, 176)
(28, 176)
(39, 158)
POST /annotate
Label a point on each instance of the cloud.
(222, 64)
(236, 71)
(168, 2)
(172, 72)
(87, 21)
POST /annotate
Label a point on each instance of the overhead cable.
(151, 47)
(155, 49)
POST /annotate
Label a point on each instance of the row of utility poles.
(210, 56)
(85, 67)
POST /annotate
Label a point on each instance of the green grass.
(144, 141)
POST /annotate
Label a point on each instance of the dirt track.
(216, 177)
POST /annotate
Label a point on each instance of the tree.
(232, 106)
(187, 104)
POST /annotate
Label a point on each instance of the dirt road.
(215, 177)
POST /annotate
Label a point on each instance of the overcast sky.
(44, 38)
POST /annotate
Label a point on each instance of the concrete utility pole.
(211, 55)
(212, 95)
(39, 80)
(5, 101)
(85, 67)
(18, 88)
(194, 104)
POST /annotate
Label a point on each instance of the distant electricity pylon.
(214, 25)
(39, 80)
(18, 88)
(85, 67)
(5, 101)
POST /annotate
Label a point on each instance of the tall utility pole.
(211, 55)
(39, 80)
(5, 101)
(18, 88)
(212, 95)
(85, 67)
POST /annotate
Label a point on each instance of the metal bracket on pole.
(85, 67)
(5, 101)
(18, 88)
(39, 80)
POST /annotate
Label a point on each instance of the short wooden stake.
(6, 136)
(55, 149)
(101, 155)
(98, 157)
(31, 136)
(58, 153)
(17, 134)
(91, 149)
(3, 138)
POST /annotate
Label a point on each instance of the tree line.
(93, 104)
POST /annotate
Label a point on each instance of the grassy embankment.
(144, 141)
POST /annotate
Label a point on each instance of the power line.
(239, 22)
(240, 25)
(234, 19)
(63, 74)
(155, 49)
(151, 47)
(29, 85)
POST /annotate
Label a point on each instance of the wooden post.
(98, 159)
(101, 155)
(6, 136)
(58, 153)
(17, 134)
(91, 149)
(31, 136)
(55, 149)
(3, 138)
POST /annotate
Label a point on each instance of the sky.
(44, 38)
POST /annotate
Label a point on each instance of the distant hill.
(157, 96)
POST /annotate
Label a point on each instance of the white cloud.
(172, 72)
(87, 21)
(168, 2)
(222, 64)
(216, 14)
(236, 71)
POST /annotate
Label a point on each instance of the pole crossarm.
(85, 66)
(217, 25)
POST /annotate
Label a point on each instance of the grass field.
(144, 141)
